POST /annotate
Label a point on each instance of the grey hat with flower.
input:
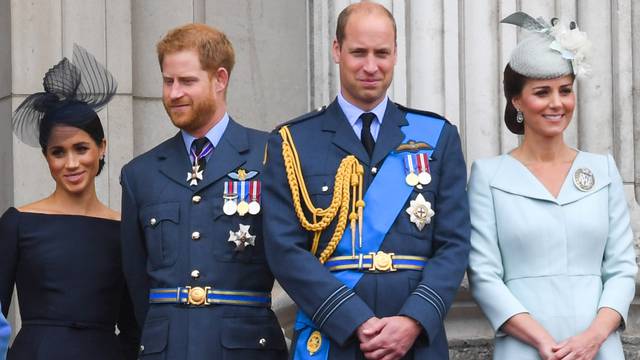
(549, 50)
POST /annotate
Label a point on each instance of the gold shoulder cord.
(347, 193)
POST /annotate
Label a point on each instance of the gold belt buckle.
(382, 262)
(197, 295)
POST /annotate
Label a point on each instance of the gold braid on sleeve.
(346, 204)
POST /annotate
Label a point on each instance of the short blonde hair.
(212, 45)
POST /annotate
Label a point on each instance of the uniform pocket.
(252, 338)
(154, 339)
(161, 230)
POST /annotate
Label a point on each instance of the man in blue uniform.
(367, 224)
(193, 252)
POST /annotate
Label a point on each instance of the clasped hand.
(388, 338)
(583, 346)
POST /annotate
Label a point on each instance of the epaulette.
(423, 112)
(309, 115)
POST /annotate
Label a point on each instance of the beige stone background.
(451, 56)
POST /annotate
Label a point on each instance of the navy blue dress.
(71, 290)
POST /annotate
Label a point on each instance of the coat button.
(195, 235)
(141, 348)
(262, 342)
(153, 221)
(196, 199)
(374, 170)
(195, 274)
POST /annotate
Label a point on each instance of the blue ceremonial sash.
(380, 206)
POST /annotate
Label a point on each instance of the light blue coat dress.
(558, 259)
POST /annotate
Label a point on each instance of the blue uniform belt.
(203, 296)
(376, 262)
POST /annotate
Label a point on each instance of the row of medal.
(241, 197)
(417, 168)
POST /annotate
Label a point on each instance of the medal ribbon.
(423, 163)
(409, 164)
(243, 190)
(206, 150)
(385, 199)
(254, 190)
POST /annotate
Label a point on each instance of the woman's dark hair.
(513, 84)
(75, 114)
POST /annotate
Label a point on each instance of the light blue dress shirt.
(5, 334)
(213, 135)
(560, 259)
(353, 113)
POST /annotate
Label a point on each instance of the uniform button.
(325, 188)
(141, 348)
(153, 221)
(195, 274)
(196, 199)
(195, 235)
(262, 342)
(374, 170)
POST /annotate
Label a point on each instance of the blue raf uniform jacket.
(323, 139)
(160, 214)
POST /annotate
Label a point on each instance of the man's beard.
(195, 118)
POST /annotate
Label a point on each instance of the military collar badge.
(242, 238)
(583, 179)
(420, 212)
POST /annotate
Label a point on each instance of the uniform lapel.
(390, 134)
(344, 137)
(175, 162)
(227, 156)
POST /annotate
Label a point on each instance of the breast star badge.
(194, 175)
(242, 238)
(420, 211)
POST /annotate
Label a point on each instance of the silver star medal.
(194, 175)
(420, 211)
(242, 238)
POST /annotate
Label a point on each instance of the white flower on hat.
(573, 45)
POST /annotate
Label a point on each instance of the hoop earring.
(519, 117)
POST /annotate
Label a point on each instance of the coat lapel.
(513, 177)
(344, 136)
(227, 156)
(175, 162)
(390, 134)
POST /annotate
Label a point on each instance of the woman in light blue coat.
(552, 263)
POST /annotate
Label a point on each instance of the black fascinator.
(73, 93)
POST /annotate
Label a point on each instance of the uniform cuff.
(340, 315)
(427, 307)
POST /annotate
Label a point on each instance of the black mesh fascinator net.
(73, 91)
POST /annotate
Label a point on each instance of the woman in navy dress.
(62, 252)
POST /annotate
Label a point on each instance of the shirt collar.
(353, 112)
(213, 135)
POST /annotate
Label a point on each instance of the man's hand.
(369, 329)
(394, 339)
